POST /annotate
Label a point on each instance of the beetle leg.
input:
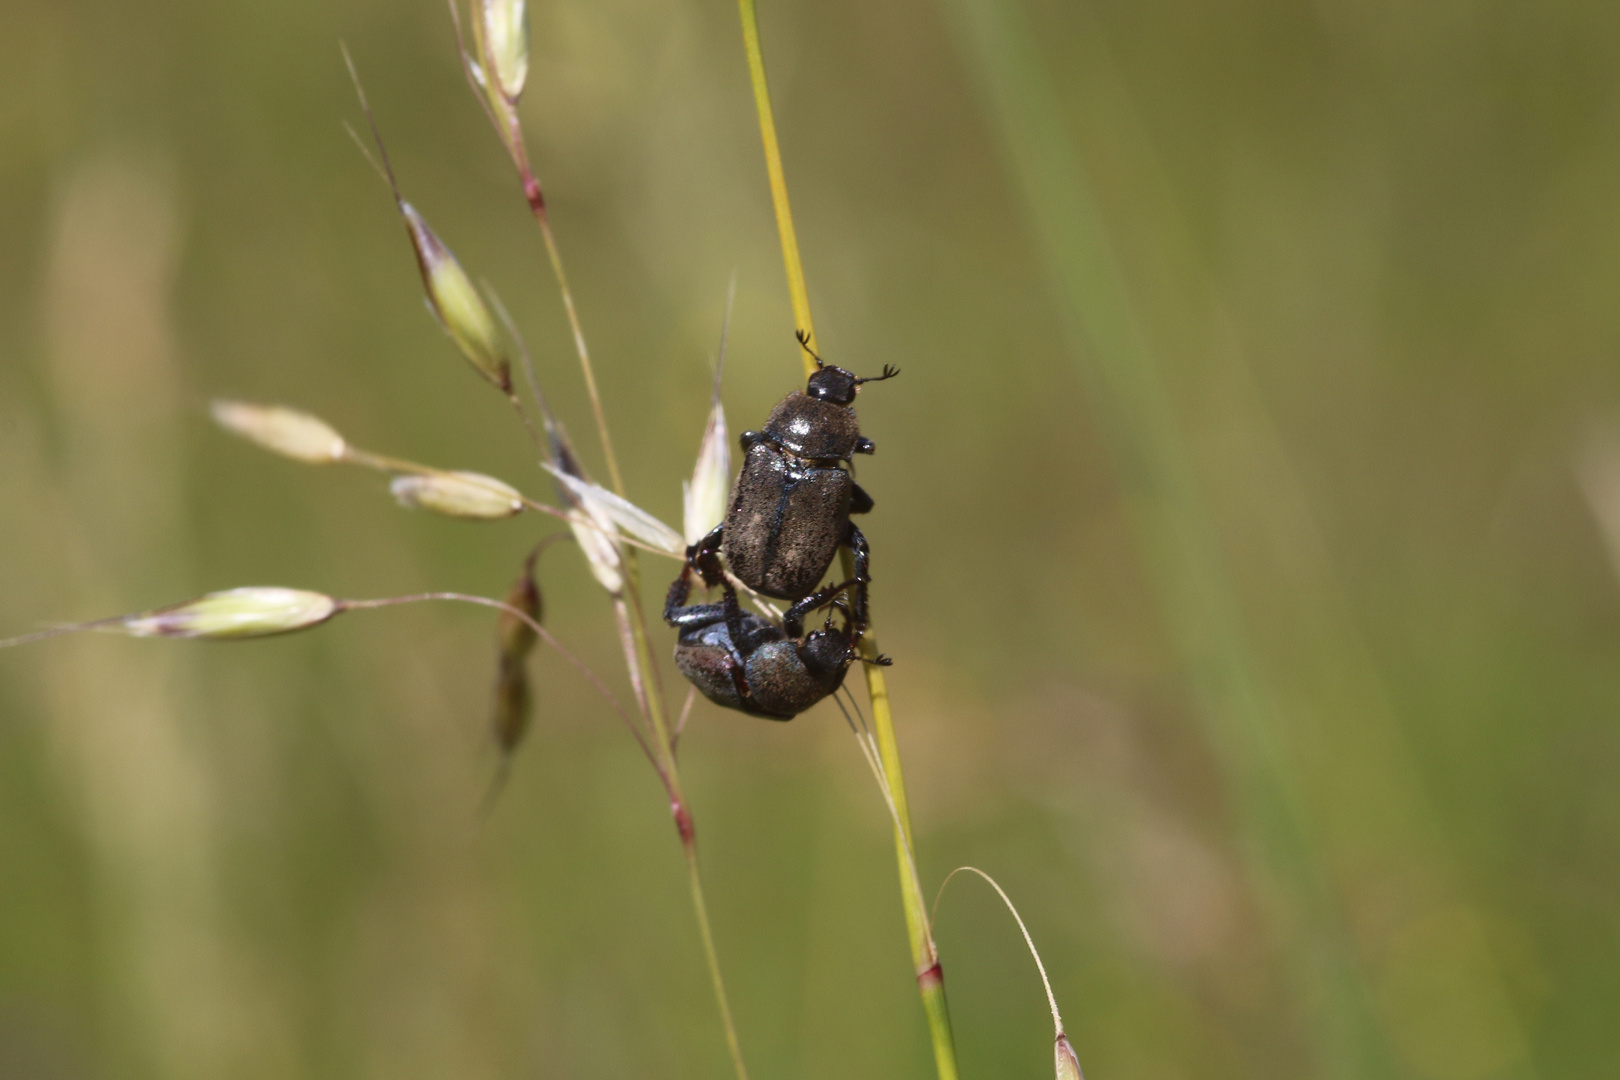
(679, 590)
(704, 557)
(734, 622)
(739, 678)
(748, 439)
(859, 501)
(863, 562)
(793, 618)
(679, 614)
(863, 445)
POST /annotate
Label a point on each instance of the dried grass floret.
(281, 430)
(251, 612)
(466, 495)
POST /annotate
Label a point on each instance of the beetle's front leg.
(704, 556)
(679, 590)
(793, 618)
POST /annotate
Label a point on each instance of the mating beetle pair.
(788, 517)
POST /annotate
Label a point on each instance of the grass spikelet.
(464, 495)
(503, 37)
(513, 705)
(626, 515)
(705, 498)
(454, 299)
(451, 294)
(1068, 1065)
(251, 612)
(288, 432)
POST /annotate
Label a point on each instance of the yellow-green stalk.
(924, 955)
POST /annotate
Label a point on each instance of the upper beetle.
(794, 494)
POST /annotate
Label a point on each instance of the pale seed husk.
(506, 43)
(256, 611)
(1068, 1065)
(281, 430)
(707, 496)
(468, 496)
(455, 300)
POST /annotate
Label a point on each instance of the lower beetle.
(743, 661)
(794, 496)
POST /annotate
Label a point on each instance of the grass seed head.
(466, 495)
(284, 431)
(236, 613)
(455, 300)
(505, 37)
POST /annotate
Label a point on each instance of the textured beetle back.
(786, 522)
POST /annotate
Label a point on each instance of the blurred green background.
(1240, 540)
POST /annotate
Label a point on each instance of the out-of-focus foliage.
(1373, 251)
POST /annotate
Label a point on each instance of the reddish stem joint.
(683, 823)
(931, 977)
(532, 192)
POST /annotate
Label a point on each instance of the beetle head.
(825, 652)
(833, 384)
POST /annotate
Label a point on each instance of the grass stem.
(694, 880)
(797, 290)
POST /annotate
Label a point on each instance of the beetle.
(794, 496)
(743, 661)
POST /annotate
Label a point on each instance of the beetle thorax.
(809, 428)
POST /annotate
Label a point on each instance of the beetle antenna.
(856, 705)
(889, 372)
(803, 337)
